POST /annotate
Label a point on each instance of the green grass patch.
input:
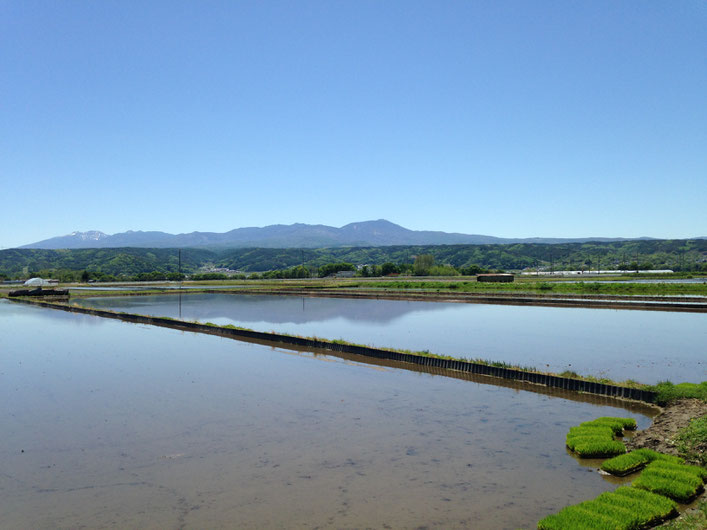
(691, 441)
(533, 285)
(667, 392)
(625, 508)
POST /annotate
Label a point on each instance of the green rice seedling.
(574, 439)
(592, 448)
(623, 465)
(650, 508)
(616, 424)
(627, 423)
(625, 508)
(593, 429)
(681, 486)
(666, 465)
(572, 443)
(616, 428)
(576, 518)
(644, 512)
(596, 439)
(623, 516)
(666, 458)
(658, 502)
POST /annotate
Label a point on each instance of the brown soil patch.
(666, 425)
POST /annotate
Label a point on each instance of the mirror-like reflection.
(109, 424)
(645, 346)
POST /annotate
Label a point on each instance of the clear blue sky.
(508, 118)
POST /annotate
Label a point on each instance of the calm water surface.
(647, 346)
(113, 425)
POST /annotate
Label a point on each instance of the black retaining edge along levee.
(566, 383)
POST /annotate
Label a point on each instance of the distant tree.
(333, 268)
(389, 268)
(473, 270)
(423, 264)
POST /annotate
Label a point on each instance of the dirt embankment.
(665, 426)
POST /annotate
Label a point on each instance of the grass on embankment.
(691, 441)
(594, 287)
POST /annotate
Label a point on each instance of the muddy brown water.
(113, 425)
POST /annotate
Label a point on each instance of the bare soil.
(665, 426)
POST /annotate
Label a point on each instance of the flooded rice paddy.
(113, 425)
(646, 346)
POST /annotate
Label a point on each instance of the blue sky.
(514, 119)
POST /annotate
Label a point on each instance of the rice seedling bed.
(676, 481)
(625, 508)
(651, 498)
(595, 439)
(623, 465)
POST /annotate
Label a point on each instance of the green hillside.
(678, 255)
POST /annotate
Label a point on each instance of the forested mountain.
(362, 234)
(128, 262)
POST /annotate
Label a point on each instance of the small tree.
(389, 268)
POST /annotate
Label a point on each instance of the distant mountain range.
(364, 234)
